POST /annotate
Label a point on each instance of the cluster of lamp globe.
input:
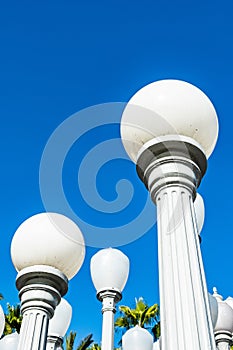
(48, 249)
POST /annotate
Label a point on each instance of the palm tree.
(142, 315)
(13, 319)
(84, 344)
(95, 347)
(70, 340)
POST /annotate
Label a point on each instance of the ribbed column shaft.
(33, 330)
(185, 315)
(40, 290)
(172, 170)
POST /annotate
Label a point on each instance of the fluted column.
(172, 171)
(109, 300)
(40, 290)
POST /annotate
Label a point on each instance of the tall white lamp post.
(59, 325)
(47, 250)
(109, 272)
(168, 129)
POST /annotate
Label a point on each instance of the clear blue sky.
(58, 57)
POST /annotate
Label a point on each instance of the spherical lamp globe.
(169, 107)
(48, 239)
(225, 315)
(137, 338)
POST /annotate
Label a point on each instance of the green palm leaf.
(85, 342)
(70, 340)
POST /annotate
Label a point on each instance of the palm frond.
(87, 341)
(70, 340)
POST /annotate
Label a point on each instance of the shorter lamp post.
(47, 250)
(224, 327)
(137, 338)
(59, 325)
(109, 272)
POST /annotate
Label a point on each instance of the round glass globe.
(59, 324)
(169, 107)
(137, 338)
(48, 239)
(109, 270)
(199, 211)
(225, 318)
(2, 321)
(9, 342)
(229, 301)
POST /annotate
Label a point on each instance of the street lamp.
(2, 321)
(58, 325)
(9, 342)
(168, 129)
(137, 338)
(47, 250)
(109, 273)
(224, 327)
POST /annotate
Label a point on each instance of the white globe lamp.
(109, 270)
(169, 107)
(137, 338)
(47, 250)
(48, 239)
(9, 342)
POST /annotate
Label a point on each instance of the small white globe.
(169, 107)
(48, 239)
(225, 318)
(10, 341)
(109, 269)
(59, 324)
(137, 338)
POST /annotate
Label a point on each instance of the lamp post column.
(109, 299)
(172, 170)
(40, 290)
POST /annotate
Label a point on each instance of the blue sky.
(59, 57)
